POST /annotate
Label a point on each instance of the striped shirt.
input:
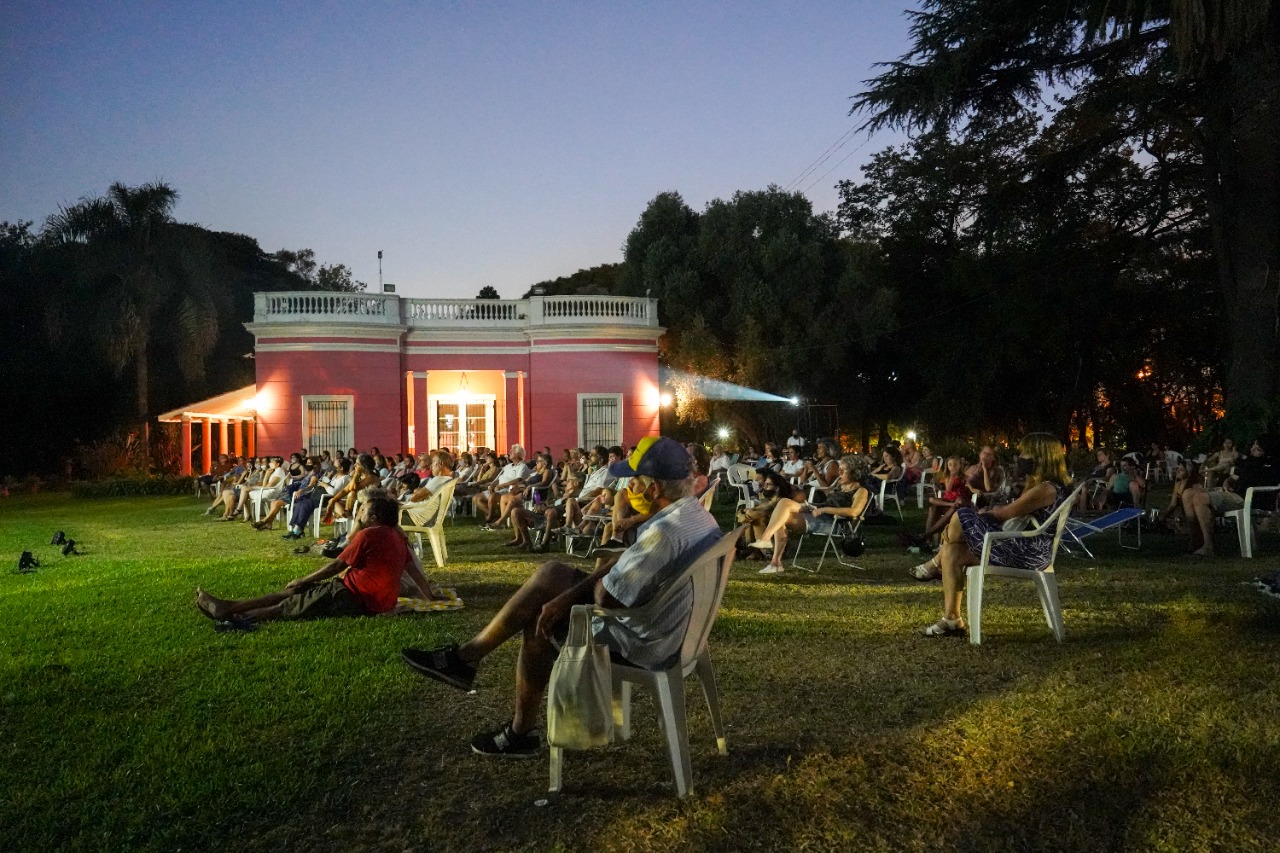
(667, 545)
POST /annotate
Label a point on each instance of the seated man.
(363, 580)
(680, 531)
(509, 480)
(718, 466)
(597, 490)
(793, 466)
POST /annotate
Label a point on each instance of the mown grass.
(126, 723)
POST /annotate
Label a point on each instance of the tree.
(137, 276)
(602, 280)
(1210, 66)
(488, 292)
(756, 290)
(302, 263)
(338, 277)
(1075, 273)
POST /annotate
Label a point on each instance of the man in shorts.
(363, 580)
(680, 531)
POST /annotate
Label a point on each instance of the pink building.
(339, 370)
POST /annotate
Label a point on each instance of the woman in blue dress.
(1041, 459)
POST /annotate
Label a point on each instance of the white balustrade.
(450, 312)
(389, 309)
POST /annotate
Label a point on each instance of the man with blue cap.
(679, 532)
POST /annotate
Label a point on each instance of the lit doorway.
(462, 422)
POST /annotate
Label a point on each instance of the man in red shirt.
(363, 580)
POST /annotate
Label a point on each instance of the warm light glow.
(257, 402)
(911, 435)
(723, 432)
(665, 399)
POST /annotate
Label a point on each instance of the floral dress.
(1031, 552)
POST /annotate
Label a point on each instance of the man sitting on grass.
(679, 532)
(363, 580)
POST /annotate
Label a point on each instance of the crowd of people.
(640, 509)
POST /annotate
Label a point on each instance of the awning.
(235, 405)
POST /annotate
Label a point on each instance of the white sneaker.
(771, 569)
(762, 544)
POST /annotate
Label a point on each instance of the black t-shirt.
(1257, 471)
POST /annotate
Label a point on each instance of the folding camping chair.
(1079, 529)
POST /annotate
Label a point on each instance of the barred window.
(599, 419)
(328, 424)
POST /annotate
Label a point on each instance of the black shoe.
(69, 548)
(58, 538)
(27, 563)
(442, 664)
(505, 743)
(611, 548)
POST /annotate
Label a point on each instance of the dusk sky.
(475, 143)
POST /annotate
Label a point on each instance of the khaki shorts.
(327, 598)
(1225, 501)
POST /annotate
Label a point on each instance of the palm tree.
(140, 273)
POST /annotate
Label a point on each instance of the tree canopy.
(116, 311)
(1187, 88)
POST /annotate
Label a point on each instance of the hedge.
(127, 487)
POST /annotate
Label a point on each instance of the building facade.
(339, 370)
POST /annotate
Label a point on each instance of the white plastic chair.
(889, 492)
(1244, 518)
(708, 497)
(926, 484)
(1046, 582)
(709, 575)
(739, 476)
(435, 530)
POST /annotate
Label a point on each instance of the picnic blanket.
(447, 599)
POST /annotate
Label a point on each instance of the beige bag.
(580, 695)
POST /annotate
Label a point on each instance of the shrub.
(128, 487)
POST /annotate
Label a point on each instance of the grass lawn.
(127, 723)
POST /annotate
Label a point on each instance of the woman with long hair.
(1041, 458)
(847, 498)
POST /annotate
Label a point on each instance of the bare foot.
(215, 608)
(1202, 552)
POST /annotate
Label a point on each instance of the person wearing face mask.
(773, 487)
(1042, 462)
(848, 498)
(631, 508)
(680, 531)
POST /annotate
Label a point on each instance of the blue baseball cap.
(657, 457)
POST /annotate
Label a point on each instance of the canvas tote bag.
(580, 696)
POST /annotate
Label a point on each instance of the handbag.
(580, 695)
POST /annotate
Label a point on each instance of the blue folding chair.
(1079, 529)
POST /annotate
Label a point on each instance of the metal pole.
(379, 270)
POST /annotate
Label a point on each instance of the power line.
(840, 142)
(837, 165)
